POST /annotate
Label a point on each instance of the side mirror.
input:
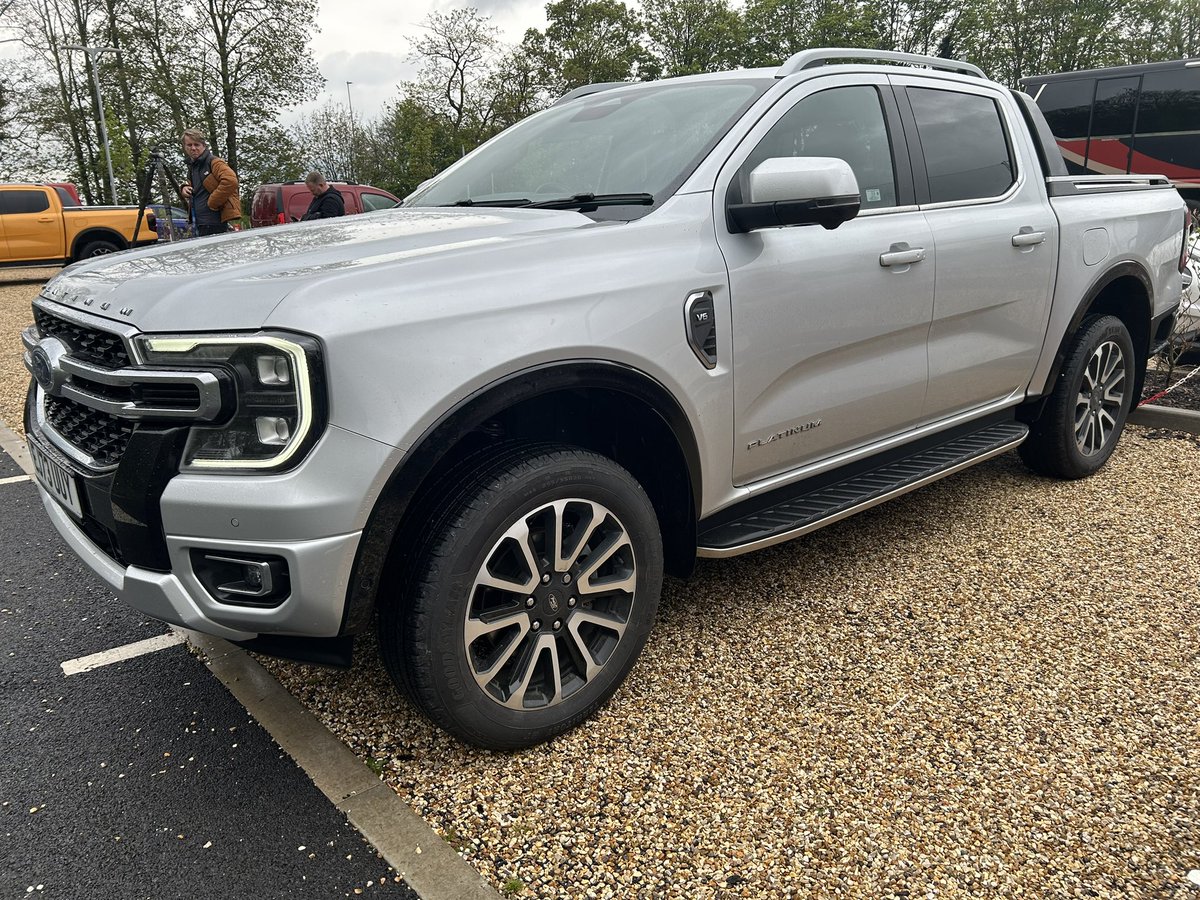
(797, 190)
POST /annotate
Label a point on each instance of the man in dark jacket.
(327, 202)
(211, 188)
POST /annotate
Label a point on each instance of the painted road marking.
(14, 479)
(120, 654)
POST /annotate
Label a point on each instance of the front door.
(829, 327)
(32, 225)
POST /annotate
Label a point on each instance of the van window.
(967, 156)
(1170, 101)
(18, 201)
(1067, 106)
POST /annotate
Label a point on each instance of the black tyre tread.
(470, 499)
(429, 519)
(1050, 448)
(85, 251)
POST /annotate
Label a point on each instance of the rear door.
(33, 225)
(982, 192)
(829, 328)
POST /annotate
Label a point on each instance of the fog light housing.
(242, 579)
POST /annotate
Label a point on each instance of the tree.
(692, 36)
(589, 41)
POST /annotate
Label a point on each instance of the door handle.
(1027, 237)
(46, 219)
(901, 254)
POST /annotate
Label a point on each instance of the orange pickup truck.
(36, 229)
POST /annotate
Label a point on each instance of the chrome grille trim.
(109, 418)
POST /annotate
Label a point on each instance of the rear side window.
(15, 202)
(1170, 101)
(967, 155)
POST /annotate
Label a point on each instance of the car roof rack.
(809, 59)
(591, 89)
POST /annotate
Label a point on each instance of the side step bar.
(805, 512)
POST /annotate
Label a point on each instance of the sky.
(367, 42)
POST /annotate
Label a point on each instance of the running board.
(829, 503)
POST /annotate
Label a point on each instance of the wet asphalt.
(144, 778)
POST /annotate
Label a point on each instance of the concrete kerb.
(1152, 416)
(427, 863)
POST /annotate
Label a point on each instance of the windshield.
(642, 141)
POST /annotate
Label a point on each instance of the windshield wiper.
(591, 201)
(511, 201)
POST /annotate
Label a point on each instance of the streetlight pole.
(350, 104)
(92, 53)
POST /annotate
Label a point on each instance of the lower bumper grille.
(101, 436)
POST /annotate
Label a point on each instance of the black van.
(1142, 119)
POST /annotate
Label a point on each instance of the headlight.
(277, 391)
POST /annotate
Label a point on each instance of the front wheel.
(530, 598)
(1084, 415)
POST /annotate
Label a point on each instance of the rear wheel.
(97, 248)
(1085, 414)
(529, 599)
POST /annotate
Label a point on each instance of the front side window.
(967, 155)
(843, 122)
(18, 201)
(372, 202)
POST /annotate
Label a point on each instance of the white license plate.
(56, 479)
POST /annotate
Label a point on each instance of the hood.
(233, 282)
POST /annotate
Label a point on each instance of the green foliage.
(693, 36)
(589, 41)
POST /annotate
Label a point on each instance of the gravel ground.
(987, 688)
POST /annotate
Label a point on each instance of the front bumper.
(311, 517)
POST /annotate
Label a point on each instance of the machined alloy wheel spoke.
(541, 622)
(585, 577)
(1102, 392)
(544, 644)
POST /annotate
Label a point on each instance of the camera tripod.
(158, 174)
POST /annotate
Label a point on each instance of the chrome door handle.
(901, 255)
(1028, 238)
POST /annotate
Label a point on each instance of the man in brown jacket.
(212, 188)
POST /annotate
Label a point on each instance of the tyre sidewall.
(1100, 331)
(463, 549)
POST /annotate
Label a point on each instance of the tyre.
(1084, 415)
(97, 248)
(529, 598)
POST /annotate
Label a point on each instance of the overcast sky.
(367, 42)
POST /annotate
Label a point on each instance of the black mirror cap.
(828, 212)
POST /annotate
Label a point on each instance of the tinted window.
(847, 123)
(372, 202)
(1116, 102)
(967, 156)
(24, 201)
(1170, 101)
(1067, 106)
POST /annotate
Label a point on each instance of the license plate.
(56, 479)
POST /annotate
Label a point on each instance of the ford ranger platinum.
(656, 321)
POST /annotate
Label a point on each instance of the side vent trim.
(700, 320)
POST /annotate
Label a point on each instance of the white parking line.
(14, 479)
(119, 654)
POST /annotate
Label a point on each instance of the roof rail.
(808, 59)
(590, 89)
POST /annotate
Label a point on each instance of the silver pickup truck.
(691, 317)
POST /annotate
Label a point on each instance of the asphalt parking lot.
(987, 688)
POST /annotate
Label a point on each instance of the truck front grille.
(100, 348)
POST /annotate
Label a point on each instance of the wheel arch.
(1126, 292)
(97, 234)
(610, 408)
